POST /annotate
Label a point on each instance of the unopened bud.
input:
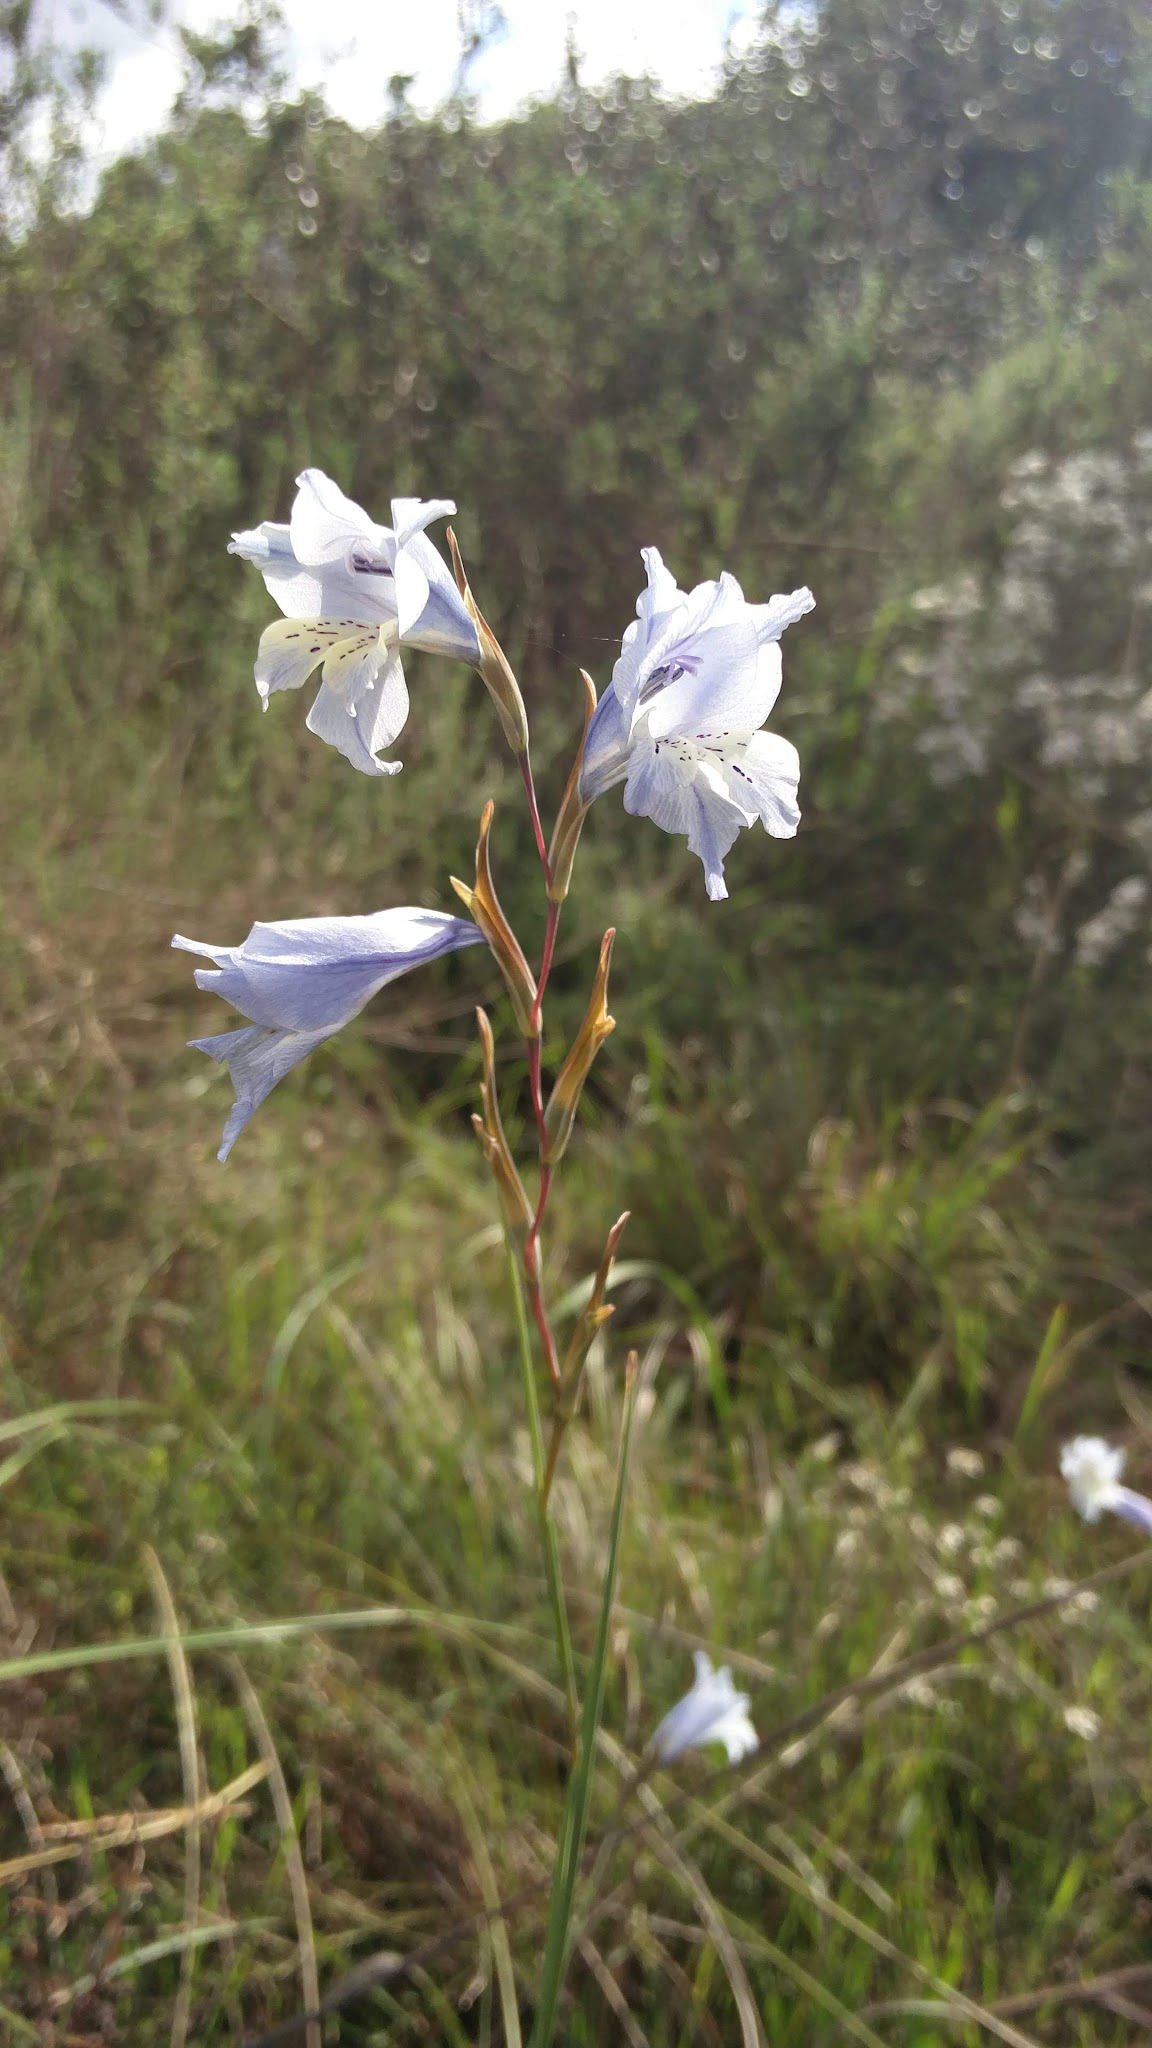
(573, 810)
(560, 1114)
(493, 667)
(483, 905)
(596, 1313)
(489, 1129)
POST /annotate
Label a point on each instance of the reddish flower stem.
(546, 958)
(528, 780)
(536, 1087)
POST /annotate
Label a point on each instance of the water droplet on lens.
(307, 224)
(308, 195)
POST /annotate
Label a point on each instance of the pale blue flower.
(1092, 1469)
(712, 1712)
(353, 593)
(679, 724)
(300, 981)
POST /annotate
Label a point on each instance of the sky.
(350, 49)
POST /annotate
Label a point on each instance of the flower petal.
(256, 1058)
(410, 516)
(734, 1729)
(291, 648)
(606, 748)
(411, 590)
(325, 524)
(1134, 1507)
(659, 598)
(340, 564)
(702, 674)
(779, 613)
(299, 594)
(443, 625)
(358, 730)
(766, 770)
(355, 665)
(664, 784)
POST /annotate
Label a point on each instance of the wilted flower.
(300, 981)
(1092, 1468)
(697, 675)
(712, 1712)
(352, 593)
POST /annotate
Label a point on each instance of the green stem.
(574, 1826)
(547, 1526)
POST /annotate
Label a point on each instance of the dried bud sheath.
(560, 1114)
(483, 904)
(489, 1129)
(493, 667)
(596, 1313)
(573, 810)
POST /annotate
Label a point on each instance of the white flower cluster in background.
(1045, 658)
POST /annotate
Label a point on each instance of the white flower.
(352, 592)
(712, 1712)
(1083, 1722)
(1092, 1469)
(697, 676)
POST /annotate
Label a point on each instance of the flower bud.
(489, 1130)
(483, 904)
(493, 667)
(573, 809)
(560, 1114)
(595, 1314)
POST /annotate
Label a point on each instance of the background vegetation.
(876, 316)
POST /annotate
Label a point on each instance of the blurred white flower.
(919, 1692)
(1114, 925)
(1083, 1722)
(712, 1712)
(980, 1610)
(1092, 1468)
(964, 1463)
(948, 1588)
